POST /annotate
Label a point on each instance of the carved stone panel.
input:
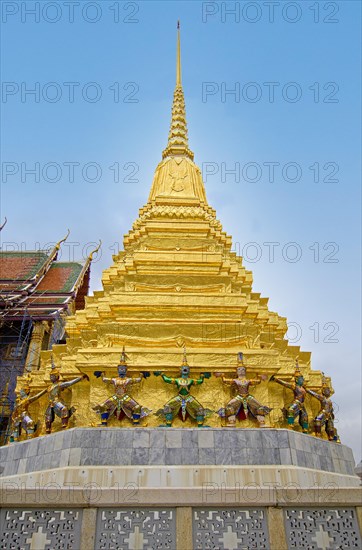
(40, 529)
(321, 528)
(149, 529)
(230, 528)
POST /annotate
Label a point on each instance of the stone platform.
(183, 446)
(185, 489)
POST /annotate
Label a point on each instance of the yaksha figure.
(55, 406)
(21, 419)
(325, 416)
(297, 407)
(120, 402)
(243, 403)
(184, 401)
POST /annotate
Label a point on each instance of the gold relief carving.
(143, 287)
(179, 247)
(181, 342)
(246, 342)
(92, 343)
(177, 211)
(179, 176)
(130, 286)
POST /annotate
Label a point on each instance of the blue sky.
(121, 69)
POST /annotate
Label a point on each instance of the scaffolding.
(5, 414)
(14, 345)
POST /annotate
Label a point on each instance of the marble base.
(175, 446)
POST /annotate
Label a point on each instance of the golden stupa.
(176, 285)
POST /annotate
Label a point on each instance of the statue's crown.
(184, 358)
(123, 359)
(53, 369)
(240, 359)
(297, 371)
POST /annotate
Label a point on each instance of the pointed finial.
(90, 257)
(57, 246)
(178, 57)
(177, 139)
(240, 358)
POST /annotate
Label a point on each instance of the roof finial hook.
(90, 257)
(57, 246)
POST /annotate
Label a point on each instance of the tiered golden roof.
(177, 284)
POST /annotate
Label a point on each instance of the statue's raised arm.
(165, 378)
(296, 409)
(284, 383)
(225, 380)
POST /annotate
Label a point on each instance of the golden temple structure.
(176, 285)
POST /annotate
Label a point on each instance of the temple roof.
(61, 277)
(19, 269)
(35, 283)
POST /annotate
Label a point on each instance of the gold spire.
(177, 139)
(178, 57)
(177, 178)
